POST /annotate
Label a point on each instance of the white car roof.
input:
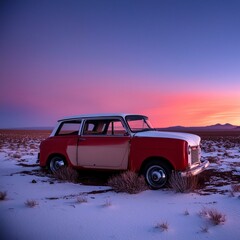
(97, 116)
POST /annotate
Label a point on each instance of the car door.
(65, 140)
(103, 144)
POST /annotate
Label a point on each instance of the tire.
(156, 174)
(56, 163)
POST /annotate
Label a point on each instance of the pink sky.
(49, 102)
(176, 62)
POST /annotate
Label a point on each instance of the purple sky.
(176, 61)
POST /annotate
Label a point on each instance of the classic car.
(121, 142)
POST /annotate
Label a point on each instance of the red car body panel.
(95, 144)
(139, 150)
(172, 150)
(57, 146)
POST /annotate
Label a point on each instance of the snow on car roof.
(97, 115)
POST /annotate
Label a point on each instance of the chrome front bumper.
(195, 170)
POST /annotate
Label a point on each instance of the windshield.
(138, 123)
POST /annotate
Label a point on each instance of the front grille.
(195, 155)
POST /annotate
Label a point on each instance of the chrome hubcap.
(56, 164)
(156, 176)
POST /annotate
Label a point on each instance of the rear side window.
(104, 127)
(116, 128)
(95, 127)
(68, 128)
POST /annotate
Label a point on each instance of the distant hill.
(219, 126)
(216, 127)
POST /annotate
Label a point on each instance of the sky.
(177, 62)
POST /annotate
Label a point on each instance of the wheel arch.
(156, 160)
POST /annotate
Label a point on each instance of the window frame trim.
(104, 135)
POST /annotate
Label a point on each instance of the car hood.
(193, 140)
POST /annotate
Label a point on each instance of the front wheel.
(56, 163)
(156, 174)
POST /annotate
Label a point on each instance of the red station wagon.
(121, 142)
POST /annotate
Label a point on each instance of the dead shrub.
(66, 174)
(31, 203)
(3, 196)
(16, 155)
(235, 187)
(183, 184)
(164, 226)
(107, 203)
(213, 215)
(82, 199)
(212, 159)
(33, 146)
(204, 229)
(226, 154)
(186, 212)
(128, 182)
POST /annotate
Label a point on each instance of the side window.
(68, 128)
(89, 127)
(107, 127)
(137, 125)
(95, 127)
(116, 127)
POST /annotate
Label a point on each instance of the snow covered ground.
(75, 211)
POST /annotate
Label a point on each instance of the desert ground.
(36, 205)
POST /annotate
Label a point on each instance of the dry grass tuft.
(107, 203)
(213, 159)
(128, 182)
(235, 187)
(16, 155)
(183, 184)
(31, 203)
(3, 196)
(213, 215)
(66, 174)
(164, 226)
(204, 229)
(186, 212)
(82, 199)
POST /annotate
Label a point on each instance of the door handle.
(82, 139)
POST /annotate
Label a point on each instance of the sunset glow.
(177, 62)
